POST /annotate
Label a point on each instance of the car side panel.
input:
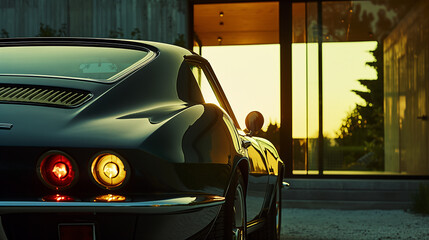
(258, 181)
(195, 152)
(275, 167)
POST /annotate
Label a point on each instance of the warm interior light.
(108, 170)
(110, 198)
(57, 170)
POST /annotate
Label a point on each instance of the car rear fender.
(242, 165)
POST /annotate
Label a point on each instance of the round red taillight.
(57, 170)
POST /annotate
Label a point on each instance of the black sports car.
(118, 139)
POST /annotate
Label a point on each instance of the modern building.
(353, 79)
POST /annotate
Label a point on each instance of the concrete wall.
(157, 20)
(351, 193)
(406, 93)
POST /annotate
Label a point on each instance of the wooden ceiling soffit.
(237, 23)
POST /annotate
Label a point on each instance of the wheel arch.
(242, 165)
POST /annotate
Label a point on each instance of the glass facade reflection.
(359, 82)
(353, 80)
(305, 88)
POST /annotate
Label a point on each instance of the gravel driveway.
(353, 224)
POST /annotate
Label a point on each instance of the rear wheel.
(231, 222)
(239, 214)
(272, 226)
(277, 212)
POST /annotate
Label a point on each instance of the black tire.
(272, 226)
(275, 215)
(231, 221)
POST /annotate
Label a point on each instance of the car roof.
(93, 41)
(152, 48)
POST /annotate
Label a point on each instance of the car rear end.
(66, 159)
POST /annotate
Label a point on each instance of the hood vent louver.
(41, 95)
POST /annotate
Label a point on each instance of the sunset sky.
(250, 77)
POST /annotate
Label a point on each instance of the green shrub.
(4, 33)
(47, 31)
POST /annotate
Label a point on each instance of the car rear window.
(83, 62)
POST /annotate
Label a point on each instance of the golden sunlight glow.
(343, 65)
(250, 78)
(108, 170)
(60, 170)
(205, 87)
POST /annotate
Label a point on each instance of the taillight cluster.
(109, 170)
(59, 171)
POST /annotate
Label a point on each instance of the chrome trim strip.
(157, 206)
(51, 76)
(6, 126)
(137, 65)
(255, 224)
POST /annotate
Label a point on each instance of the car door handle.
(423, 117)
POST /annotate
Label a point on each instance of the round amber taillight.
(57, 170)
(109, 170)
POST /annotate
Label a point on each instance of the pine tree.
(365, 124)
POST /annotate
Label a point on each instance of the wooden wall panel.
(156, 20)
(241, 23)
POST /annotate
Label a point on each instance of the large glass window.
(241, 42)
(305, 89)
(250, 77)
(359, 87)
(359, 79)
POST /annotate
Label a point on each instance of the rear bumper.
(174, 218)
(161, 206)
